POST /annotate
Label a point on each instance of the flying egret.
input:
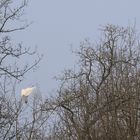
(26, 92)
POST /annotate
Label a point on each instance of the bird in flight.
(26, 92)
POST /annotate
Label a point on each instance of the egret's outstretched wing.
(27, 91)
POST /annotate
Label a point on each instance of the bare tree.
(100, 101)
(9, 51)
(12, 123)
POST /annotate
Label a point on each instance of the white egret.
(26, 92)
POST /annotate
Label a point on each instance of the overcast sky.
(59, 23)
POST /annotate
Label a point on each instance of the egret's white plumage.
(26, 92)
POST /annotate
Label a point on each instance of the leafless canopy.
(13, 68)
(100, 100)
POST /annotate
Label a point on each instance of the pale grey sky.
(59, 23)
